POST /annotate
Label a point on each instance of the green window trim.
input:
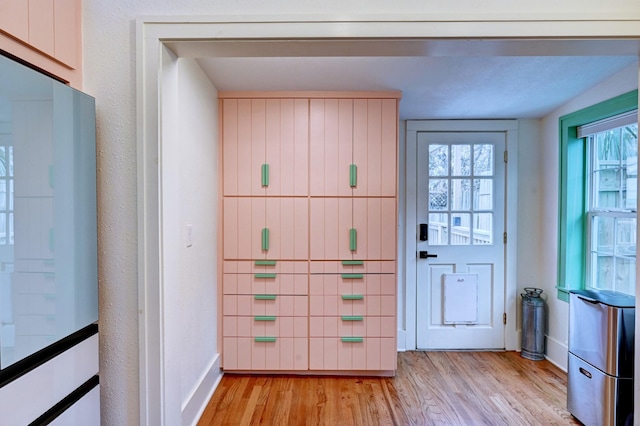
(572, 260)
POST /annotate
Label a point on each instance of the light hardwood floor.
(430, 388)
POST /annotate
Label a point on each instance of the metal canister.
(533, 324)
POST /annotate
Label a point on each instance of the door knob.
(425, 254)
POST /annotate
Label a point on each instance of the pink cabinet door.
(14, 18)
(265, 146)
(375, 133)
(330, 145)
(41, 31)
(266, 228)
(353, 228)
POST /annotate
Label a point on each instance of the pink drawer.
(352, 326)
(353, 266)
(264, 304)
(356, 283)
(352, 304)
(356, 353)
(265, 266)
(270, 354)
(265, 283)
(259, 326)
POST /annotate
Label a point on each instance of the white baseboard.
(557, 353)
(194, 405)
(402, 341)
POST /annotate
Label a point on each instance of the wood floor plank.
(430, 388)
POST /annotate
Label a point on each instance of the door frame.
(413, 127)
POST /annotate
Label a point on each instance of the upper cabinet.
(353, 147)
(45, 33)
(266, 147)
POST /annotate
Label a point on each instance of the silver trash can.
(533, 324)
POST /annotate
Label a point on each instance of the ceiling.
(439, 79)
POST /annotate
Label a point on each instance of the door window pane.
(460, 160)
(483, 228)
(460, 229)
(483, 194)
(460, 194)
(438, 160)
(438, 194)
(438, 229)
(483, 160)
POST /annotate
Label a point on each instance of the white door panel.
(461, 192)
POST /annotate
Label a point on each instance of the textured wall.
(109, 66)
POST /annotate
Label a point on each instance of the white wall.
(109, 66)
(537, 257)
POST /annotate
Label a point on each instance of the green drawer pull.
(352, 276)
(351, 318)
(353, 175)
(352, 297)
(264, 275)
(352, 339)
(264, 318)
(353, 239)
(265, 239)
(265, 297)
(265, 175)
(265, 263)
(265, 339)
(352, 262)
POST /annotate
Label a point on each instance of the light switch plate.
(189, 235)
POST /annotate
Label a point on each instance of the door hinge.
(506, 156)
(504, 238)
(504, 318)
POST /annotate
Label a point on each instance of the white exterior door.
(460, 218)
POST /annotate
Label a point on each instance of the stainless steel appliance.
(601, 339)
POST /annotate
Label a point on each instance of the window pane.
(483, 228)
(460, 194)
(625, 277)
(602, 239)
(460, 229)
(626, 237)
(438, 160)
(438, 229)
(460, 160)
(438, 194)
(483, 194)
(483, 160)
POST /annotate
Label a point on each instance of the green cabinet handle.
(265, 263)
(352, 276)
(352, 339)
(265, 297)
(352, 297)
(264, 275)
(351, 318)
(265, 239)
(353, 239)
(265, 339)
(353, 175)
(264, 318)
(352, 262)
(265, 175)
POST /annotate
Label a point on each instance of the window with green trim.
(576, 171)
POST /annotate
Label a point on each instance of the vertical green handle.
(353, 175)
(353, 239)
(265, 239)
(265, 175)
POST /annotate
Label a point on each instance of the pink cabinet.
(353, 144)
(51, 27)
(309, 231)
(353, 228)
(265, 149)
(265, 228)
